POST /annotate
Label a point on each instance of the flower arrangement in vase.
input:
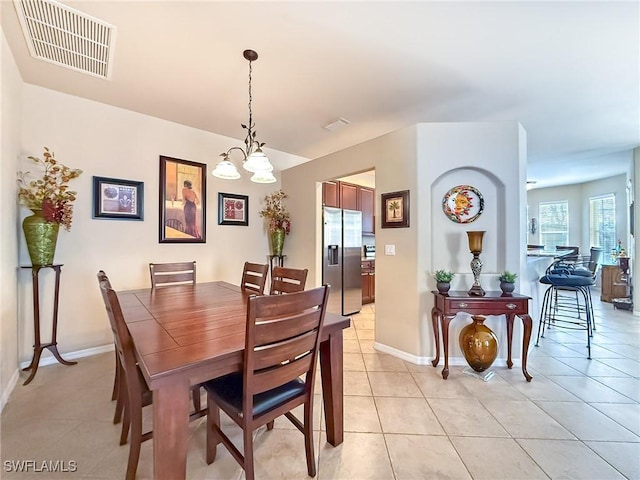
(443, 280)
(51, 202)
(279, 219)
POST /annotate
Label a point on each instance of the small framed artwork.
(114, 198)
(233, 209)
(395, 209)
(183, 193)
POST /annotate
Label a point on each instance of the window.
(554, 223)
(602, 224)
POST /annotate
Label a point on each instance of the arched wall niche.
(450, 248)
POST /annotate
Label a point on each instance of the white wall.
(569, 193)
(578, 197)
(11, 94)
(106, 141)
(413, 159)
(490, 157)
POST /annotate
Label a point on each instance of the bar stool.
(560, 311)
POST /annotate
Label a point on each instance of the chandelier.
(253, 158)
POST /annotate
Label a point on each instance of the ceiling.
(567, 71)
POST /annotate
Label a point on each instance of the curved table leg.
(445, 344)
(435, 314)
(509, 339)
(527, 323)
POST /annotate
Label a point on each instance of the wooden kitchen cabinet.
(349, 196)
(331, 194)
(368, 208)
(368, 281)
(612, 284)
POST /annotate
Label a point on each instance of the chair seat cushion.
(229, 389)
(560, 280)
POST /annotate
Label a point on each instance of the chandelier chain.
(250, 110)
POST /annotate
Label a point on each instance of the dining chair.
(133, 392)
(254, 277)
(117, 378)
(177, 273)
(287, 280)
(281, 348)
(133, 388)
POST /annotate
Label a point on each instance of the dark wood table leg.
(445, 343)
(331, 361)
(436, 333)
(509, 338)
(170, 430)
(528, 324)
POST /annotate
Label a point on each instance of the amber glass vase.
(479, 344)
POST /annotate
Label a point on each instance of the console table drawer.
(479, 307)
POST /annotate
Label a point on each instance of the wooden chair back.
(281, 349)
(287, 280)
(178, 273)
(254, 277)
(281, 328)
(122, 337)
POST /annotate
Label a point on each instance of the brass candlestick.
(475, 246)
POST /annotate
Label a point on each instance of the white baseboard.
(9, 390)
(47, 357)
(453, 361)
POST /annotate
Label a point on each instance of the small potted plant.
(443, 280)
(507, 281)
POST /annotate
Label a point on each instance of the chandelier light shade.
(254, 159)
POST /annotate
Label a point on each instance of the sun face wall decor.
(463, 204)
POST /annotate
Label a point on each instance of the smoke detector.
(67, 37)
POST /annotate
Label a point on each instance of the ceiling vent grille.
(67, 37)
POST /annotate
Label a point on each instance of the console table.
(493, 303)
(53, 345)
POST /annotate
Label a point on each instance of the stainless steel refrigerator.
(341, 253)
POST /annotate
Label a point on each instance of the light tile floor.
(577, 419)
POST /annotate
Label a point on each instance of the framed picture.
(233, 209)
(183, 193)
(114, 198)
(395, 209)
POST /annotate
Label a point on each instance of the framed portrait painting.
(114, 198)
(395, 209)
(233, 209)
(183, 193)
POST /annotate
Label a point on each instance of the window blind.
(553, 223)
(602, 224)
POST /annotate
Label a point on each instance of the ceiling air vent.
(58, 34)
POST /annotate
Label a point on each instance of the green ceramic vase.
(277, 242)
(41, 237)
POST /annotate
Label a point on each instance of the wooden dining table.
(187, 334)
